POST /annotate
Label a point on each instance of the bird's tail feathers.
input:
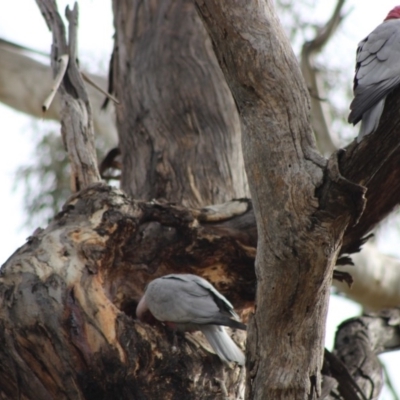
(370, 120)
(233, 323)
(222, 344)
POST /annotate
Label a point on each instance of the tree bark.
(76, 112)
(284, 343)
(302, 208)
(68, 296)
(82, 346)
(62, 332)
(178, 126)
(26, 82)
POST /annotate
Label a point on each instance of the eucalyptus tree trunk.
(284, 171)
(178, 127)
(303, 205)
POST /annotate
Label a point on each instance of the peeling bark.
(26, 82)
(67, 301)
(62, 331)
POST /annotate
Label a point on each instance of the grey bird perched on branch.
(187, 302)
(377, 73)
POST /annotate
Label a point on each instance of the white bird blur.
(187, 302)
(377, 73)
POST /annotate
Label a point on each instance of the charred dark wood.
(375, 164)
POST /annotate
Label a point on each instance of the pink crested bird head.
(393, 14)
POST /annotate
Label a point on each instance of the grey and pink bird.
(188, 302)
(377, 73)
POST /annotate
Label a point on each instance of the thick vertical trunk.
(299, 234)
(178, 125)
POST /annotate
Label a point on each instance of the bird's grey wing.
(378, 68)
(222, 302)
(195, 301)
(181, 301)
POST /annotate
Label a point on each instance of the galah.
(187, 302)
(377, 73)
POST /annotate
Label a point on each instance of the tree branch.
(375, 164)
(249, 44)
(26, 82)
(358, 343)
(302, 209)
(320, 118)
(376, 278)
(76, 114)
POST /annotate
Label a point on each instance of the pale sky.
(22, 23)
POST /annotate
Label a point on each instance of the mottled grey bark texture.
(302, 205)
(68, 297)
(178, 125)
(67, 294)
(284, 343)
